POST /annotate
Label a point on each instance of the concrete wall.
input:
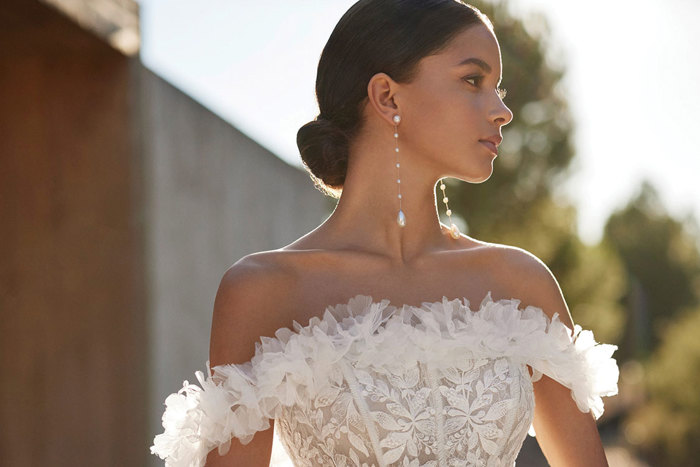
(212, 196)
(122, 203)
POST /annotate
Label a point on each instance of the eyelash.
(501, 91)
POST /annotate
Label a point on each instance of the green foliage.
(592, 277)
(593, 282)
(537, 148)
(663, 261)
(667, 427)
(519, 204)
(629, 288)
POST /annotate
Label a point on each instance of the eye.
(479, 78)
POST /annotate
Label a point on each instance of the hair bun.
(324, 150)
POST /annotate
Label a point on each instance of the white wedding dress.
(371, 384)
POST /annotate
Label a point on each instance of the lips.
(494, 139)
(492, 142)
(492, 147)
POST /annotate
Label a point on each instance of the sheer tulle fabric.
(296, 367)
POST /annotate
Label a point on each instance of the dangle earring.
(454, 230)
(401, 218)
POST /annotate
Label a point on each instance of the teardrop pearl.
(454, 231)
(401, 219)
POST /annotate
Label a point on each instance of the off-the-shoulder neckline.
(464, 301)
(389, 304)
(390, 308)
(440, 331)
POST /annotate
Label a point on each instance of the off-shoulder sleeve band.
(578, 362)
(199, 418)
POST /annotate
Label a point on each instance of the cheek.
(452, 124)
(442, 121)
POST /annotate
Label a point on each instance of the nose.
(502, 115)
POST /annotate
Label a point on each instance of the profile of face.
(453, 103)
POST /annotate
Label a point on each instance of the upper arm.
(567, 436)
(242, 306)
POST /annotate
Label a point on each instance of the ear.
(381, 92)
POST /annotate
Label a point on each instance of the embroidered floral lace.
(371, 384)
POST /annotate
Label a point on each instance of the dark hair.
(373, 36)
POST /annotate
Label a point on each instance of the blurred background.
(138, 145)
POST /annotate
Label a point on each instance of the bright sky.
(631, 77)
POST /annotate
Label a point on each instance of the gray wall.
(122, 203)
(73, 334)
(212, 195)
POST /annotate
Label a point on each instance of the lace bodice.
(372, 384)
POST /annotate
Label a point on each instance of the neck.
(365, 217)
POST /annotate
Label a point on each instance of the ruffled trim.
(238, 400)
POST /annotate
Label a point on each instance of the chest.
(324, 281)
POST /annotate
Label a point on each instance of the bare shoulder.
(246, 298)
(247, 301)
(530, 280)
(557, 418)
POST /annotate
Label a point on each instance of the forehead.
(476, 42)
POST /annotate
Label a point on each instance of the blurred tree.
(537, 146)
(662, 259)
(520, 205)
(627, 287)
(667, 428)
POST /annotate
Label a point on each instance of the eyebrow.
(478, 62)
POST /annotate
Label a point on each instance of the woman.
(394, 372)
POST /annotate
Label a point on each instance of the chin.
(477, 174)
(479, 179)
(486, 177)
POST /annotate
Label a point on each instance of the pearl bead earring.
(454, 230)
(401, 218)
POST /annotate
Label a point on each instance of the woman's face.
(451, 105)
